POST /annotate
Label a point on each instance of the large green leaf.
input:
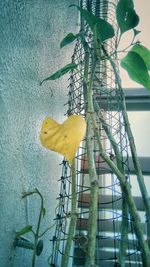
(61, 72)
(134, 64)
(126, 16)
(24, 230)
(68, 39)
(143, 52)
(104, 29)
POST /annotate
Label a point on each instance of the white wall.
(29, 51)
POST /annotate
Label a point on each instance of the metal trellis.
(109, 98)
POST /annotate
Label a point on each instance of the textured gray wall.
(30, 34)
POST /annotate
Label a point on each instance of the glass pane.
(140, 125)
(135, 186)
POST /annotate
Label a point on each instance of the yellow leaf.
(63, 138)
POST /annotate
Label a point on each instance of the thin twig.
(135, 158)
(73, 219)
(145, 253)
(38, 228)
(118, 157)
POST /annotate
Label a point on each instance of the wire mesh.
(109, 98)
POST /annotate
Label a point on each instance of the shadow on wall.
(30, 32)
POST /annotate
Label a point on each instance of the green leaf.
(134, 64)
(24, 230)
(68, 39)
(143, 52)
(104, 29)
(126, 16)
(44, 212)
(61, 72)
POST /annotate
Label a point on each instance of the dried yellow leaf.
(63, 138)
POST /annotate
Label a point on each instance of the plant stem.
(92, 222)
(94, 191)
(138, 169)
(145, 253)
(124, 232)
(37, 229)
(73, 219)
(117, 170)
(135, 159)
(49, 228)
(124, 223)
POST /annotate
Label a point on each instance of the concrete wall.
(31, 31)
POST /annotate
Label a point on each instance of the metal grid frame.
(109, 99)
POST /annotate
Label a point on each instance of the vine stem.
(124, 184)
(125, 187)
(135, 158)
(49, 228)
(92, 223)
(37, 229)
(145, 253)
(73, 219)
(94, 189)
(125, 222)
(138, 171)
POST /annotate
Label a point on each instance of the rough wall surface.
(29, 51)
